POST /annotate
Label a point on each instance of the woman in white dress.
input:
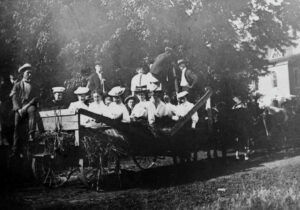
(81, 93)
(117, 109)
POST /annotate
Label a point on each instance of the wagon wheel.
(144, 162)
(49, 176)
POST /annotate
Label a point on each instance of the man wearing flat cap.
(58, 101)
(96, 81)
(25, 98)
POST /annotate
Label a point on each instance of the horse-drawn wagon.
(70, 150)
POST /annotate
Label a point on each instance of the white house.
(283, 81)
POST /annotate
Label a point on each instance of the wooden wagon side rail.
(187, 117)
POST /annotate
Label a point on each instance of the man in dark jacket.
(96, 80)
(188, 78)
(162, 69)
(25, 98)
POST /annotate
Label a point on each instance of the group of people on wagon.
(149, 101)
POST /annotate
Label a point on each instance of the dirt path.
(198, 185)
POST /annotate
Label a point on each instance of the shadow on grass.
(202, 170)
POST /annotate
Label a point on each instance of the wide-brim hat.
(116, 91)
(129, 98)
(58, 89)
(180, 61)
(26, 66)
(182, 94)
(81, 91)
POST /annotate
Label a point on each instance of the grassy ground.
(268, 181)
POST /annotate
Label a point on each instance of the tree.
(218, 37)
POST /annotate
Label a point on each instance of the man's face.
(140, 71)
(58, 96)
(99, 68)
(182, 66)
(27, 75)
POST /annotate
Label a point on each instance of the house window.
(296, 77)
(274, 79)
(256, 84)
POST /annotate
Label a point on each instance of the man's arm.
(15, 100)
(192, 77)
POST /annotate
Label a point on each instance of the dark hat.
(26, 66)
(98, 62)
(140, 89)
(129, 98)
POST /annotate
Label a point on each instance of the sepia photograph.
(149, 104)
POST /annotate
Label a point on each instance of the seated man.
(25, 98)
(58, 101)
(184, 107)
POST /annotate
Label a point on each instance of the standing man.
(162, 69)
(188, 78)
(96, 80)
(139, 80)
(25, 98)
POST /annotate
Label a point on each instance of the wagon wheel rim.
(146, 165)
(48, 176)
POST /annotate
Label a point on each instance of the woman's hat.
(26, 66)
(129, 98)
(182, 94)
(116, 91)
(81, 91)
(140, 89)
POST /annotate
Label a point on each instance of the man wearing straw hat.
(25, 98)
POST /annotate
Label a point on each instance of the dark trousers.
(20, 134)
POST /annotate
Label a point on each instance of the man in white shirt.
(188, 78)
(117, 109)
(184, 107)
(138, 80)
